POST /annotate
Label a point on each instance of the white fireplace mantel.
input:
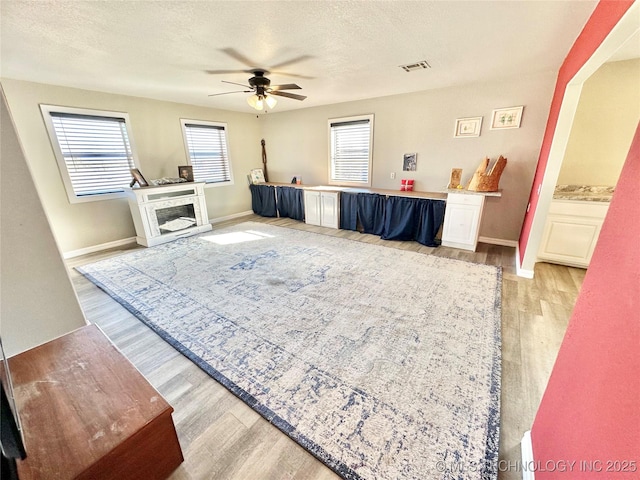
(166, 212)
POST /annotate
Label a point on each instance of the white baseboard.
(498, 241)
(527, 457)
(520, 271)
(213, 221)
(98, 248)
(127, 241)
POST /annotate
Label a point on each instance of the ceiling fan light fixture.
(253, 101)
(271, 101)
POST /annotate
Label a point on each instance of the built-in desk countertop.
(379, 191)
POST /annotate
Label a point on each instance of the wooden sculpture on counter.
(487, 182)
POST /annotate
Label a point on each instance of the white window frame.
(355, 118)
(205, 123)
(47, 110)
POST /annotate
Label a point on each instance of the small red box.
(406, 185)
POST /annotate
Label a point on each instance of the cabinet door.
(312, 208)
(569, 240)
(330, 212)
(461, 226)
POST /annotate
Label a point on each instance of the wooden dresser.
(87, 413)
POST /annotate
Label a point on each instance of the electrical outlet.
(393, 175)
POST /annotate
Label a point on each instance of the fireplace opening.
(172, 219)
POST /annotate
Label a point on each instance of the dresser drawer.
(465, 199)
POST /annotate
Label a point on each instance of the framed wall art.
(410, 162)
(468, 127)
(506, 118)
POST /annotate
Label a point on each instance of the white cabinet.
(164, 213)
(571, 232)
(322, 208)
(462, 220)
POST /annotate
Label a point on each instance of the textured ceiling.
(336, 51)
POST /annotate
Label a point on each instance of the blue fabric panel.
(263, 200)
(371, 207)
(291, 202)
(429, 218)
(399, 218)
(349, 211)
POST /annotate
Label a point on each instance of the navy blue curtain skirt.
(393, 218)
(263, 200)
(290, 202)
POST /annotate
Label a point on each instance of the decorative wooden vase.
(487, 182)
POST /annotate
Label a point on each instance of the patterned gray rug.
(382, 363)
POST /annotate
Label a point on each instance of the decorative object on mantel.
(186, 172)
(264, 160)
(487, 182)
(166, 181)
(406, 185)
(297, 180)
(506, 118)
(456, 176)
(410, 162)
(370, 397)
(468, 127)
(138, 178)
(257, 176)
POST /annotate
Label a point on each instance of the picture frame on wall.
(504, 118)
(468, 127)
(410, 162)
(186, 172)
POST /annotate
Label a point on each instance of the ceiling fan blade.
(225, 93)
(234, 83)
(225, 72)
(294, 75)
(286, 63)
(288, 95)
(233, 53)
(286, 86)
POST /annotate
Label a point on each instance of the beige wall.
(297, 144)
(159, 144)
(605, 121)
(37, 300)
(297, 141)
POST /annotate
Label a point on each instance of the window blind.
(350, 151)
(96, 152)
(207, 146)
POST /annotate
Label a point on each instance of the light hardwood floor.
(222, 438)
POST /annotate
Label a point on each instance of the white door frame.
(626, 28)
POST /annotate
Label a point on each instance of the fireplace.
(163, 213)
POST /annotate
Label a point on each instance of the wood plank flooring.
(222, 438)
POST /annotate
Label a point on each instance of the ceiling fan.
(263, 91)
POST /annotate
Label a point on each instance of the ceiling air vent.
(411, 67)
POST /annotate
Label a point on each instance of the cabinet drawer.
(464, 199)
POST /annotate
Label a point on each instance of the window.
(207, 151)
(94, 151)
(351, 141)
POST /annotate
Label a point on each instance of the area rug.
(382, 363)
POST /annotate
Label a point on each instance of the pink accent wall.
(602, 20)
(590, 411)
